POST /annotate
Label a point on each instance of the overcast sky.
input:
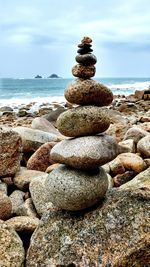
(41, 36)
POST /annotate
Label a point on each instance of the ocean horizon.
(19, 91)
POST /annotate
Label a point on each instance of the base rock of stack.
(88, 92)
(81, 121)
(86, 152)
(72, 189)
(83, 71)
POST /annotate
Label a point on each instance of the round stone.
(80, 121)
(88, 92)
(84, 50)
(86, 40)
(86, 59)
(84, 45)
(71, 189)
(86, 152)
(82, 71)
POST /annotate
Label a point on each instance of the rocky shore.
(97, 228)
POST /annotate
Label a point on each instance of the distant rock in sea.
(38, 77)
(53, 76)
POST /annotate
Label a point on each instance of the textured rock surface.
(72, 189)
(23, 223)
(80, 121)
(23, 178)
(143, 146)
(40, 195)
(11, 247)
(116, 234)
(88, 92)
(142, 180)
(127, 146)
(131, 161)
(32, 139)
(10, 151)
(17, 199)
(86, 59)
(85, 152)
(27, 209)
(5, 206)
(42, 124)
(135, 133)
(41, 159)
(82, 71)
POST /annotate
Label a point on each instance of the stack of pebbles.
(79, 182)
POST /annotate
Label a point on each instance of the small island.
(38, 77)
(53, 76)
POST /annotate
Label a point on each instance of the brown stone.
(83, 121)
(88, 92)
(143, 146)
(10, 151)
(123, 178)
(5, 206)
(86, 59)
(131, 161)
(82, 71)
(41, 158)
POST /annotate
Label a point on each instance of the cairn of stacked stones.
(79, 182)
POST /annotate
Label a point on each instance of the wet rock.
(41, 158)
(116, 233)
(72, 189)
(82, 121)
(86, 152)
(10, 151)
(88, 92)
(11, 247)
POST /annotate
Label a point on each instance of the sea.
(18, 92)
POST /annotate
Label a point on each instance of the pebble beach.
(75, 176)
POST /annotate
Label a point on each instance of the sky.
(41, 36)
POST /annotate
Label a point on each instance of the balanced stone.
(86, 40)
(71, 189)
(82, 71)
(84, 45)
(88, 92)
(86, 152)
(80, 121)
(84, 50)
(86, 59)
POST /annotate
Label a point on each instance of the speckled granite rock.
(88, 92)
(40, 159)
(81, 121)
(82, 71)
(72, 189)
(11, 247)
(5, 206)
(23, 223)
(142, 180)
(40, 196)
(32, 139)
(116, 234)
(86, 152)
(23, 178)
(143, 146)
(10, 151)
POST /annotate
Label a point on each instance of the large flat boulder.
(115, 233)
